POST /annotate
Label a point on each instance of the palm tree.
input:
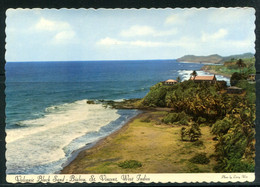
(178, 79)
(194, 74)
(240, 64)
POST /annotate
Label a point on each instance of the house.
(251, 77)
(170, 82)
(208, 78)
(234, 90)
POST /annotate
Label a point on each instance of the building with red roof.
(170, 81)
(206, 78)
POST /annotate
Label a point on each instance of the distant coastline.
(214, 58)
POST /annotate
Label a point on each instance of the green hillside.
(230, 117)
(231, 66)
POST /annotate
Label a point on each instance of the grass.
(198, 143)
(132, 164)
(158, 148)
(200, 158)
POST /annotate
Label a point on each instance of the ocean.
(47, 115)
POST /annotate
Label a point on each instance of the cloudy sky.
(127, 34)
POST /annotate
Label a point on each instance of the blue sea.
(47, 115)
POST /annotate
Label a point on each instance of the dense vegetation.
(200, 158)
(231, 66)
(231, 117)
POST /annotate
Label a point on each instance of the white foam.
(43, 139)
(119, 100)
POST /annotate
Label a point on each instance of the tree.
(178, 79)
(183, 133)
(194, 74)
(236, 77)
(194, 132)
(240, 64)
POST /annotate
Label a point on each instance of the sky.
(127, 34)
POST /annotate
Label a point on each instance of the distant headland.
(215, 58)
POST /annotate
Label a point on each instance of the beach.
(158, 147)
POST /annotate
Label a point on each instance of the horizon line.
(91, 60)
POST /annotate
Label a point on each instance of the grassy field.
(158, 147)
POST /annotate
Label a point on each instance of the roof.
(171, 80)
(211, 77)
(234, 88)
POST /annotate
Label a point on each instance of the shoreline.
(147, 142)
(96, 145)
(205, 64)
(215, 72)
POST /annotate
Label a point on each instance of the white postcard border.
(133, 178)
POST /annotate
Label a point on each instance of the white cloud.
(110, 41)
(214, 43)
(50, 25)
(62, 32)
(179, 18)
(173, 19)
(231, 15)
(138, 30)
(146, 43)
(114, 42)
(143, 43)
(166, 32)
(221, 33)
(64, 37)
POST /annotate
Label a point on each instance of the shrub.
(183, 122)
(221, 85)
(198, 143)
(236, 77)
(146, 120)
(200, 158)
(201, 120)
(132, 164)
(170, 118)
(156, 96)
(193, 132)
(181, 117)
(234, 165)
(221, 127)
(193, 168)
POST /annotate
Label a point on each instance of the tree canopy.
(231, 118)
